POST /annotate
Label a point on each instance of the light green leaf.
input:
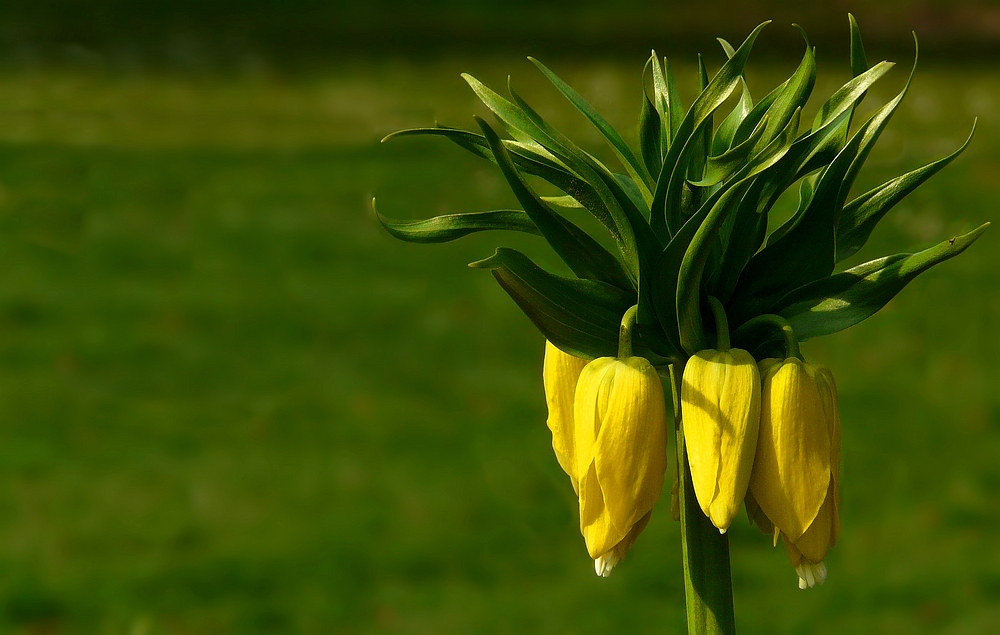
(844, 299)
(860, 216)
(441, 229)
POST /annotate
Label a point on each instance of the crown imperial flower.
(621, 436)
(720, 401)
(797, 464)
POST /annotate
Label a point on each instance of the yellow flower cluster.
(765, 435)
(609, 431)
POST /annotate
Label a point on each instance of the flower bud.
(796, 470)
(621, 437)
(560, 373)
(720, 406)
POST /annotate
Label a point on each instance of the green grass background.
(231, 403)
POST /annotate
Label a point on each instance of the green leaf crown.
(689, 216)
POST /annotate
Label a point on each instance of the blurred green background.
(230, 403)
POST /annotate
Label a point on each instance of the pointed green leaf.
(726, 164)
(723, 140)
(661, 103)
(860, 216)
(584, 255)
(807, 188)
(666, 216)
(528, 160)
(618, 145)
(441, 229)
(703, 138)
(565, 202)
(649, 131)
(807, 250)
(689, 320)
(676, 111)
(859, 62)
(850, 94)
(844, 299)
(628, 213)
(581, 317)
(780, 103)
(519, 115)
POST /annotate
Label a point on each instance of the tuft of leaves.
(689, 211)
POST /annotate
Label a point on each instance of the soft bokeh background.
(230, 403)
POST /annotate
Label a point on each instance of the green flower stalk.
(689, 245)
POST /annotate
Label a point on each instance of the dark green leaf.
(649, 131)
(441, 229)
(807, 188)
(527, 159)
(807, 250)
(781, 102)
(621, 149)
(636, 236)
(723, 140)
(859, 62)
(844, 299)
(726, 164)
(666, 216)
(689, 320)
(584, 255)
(702, 140)
(581, 317)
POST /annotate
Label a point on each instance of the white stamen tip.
(811, 574)
(722, 530)
(604, 564)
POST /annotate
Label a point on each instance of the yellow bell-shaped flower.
(560, 373)
(796, 470)
(720, 408)
(621, 435)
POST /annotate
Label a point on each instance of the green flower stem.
(625, 335)
(721, 324)
(708, 583)
(770, 321)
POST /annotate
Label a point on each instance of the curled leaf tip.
(491, 262)
(802, 32)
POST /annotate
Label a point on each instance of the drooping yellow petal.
(720, 406)
(828, 391)
(816, 541)
(757, 516)
(792, 465)
(560, 373)
(599, 534)
(630, 451)
(620, 431)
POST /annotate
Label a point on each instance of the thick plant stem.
(708, 584)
